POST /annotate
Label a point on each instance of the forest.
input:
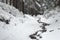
(33, 7)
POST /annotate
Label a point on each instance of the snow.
(10, 9)
(53, 30)
(51, 36)
(20, 27)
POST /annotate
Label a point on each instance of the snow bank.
(10, 9)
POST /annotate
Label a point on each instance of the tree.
(2, 0)
(19, 4)
(39, 5)
(7, 1)
(59, 3)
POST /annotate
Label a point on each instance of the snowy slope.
(10, 9)
(17, 26)
(53, 30)
(17, 30)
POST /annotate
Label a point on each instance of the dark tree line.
(59, 3)
(19, 4)
(32, 7)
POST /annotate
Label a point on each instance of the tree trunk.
(3, 1)
(6, 1)
(14, 3)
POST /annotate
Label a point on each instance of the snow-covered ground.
(16, 26)
(19, 26)
(53, 30)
